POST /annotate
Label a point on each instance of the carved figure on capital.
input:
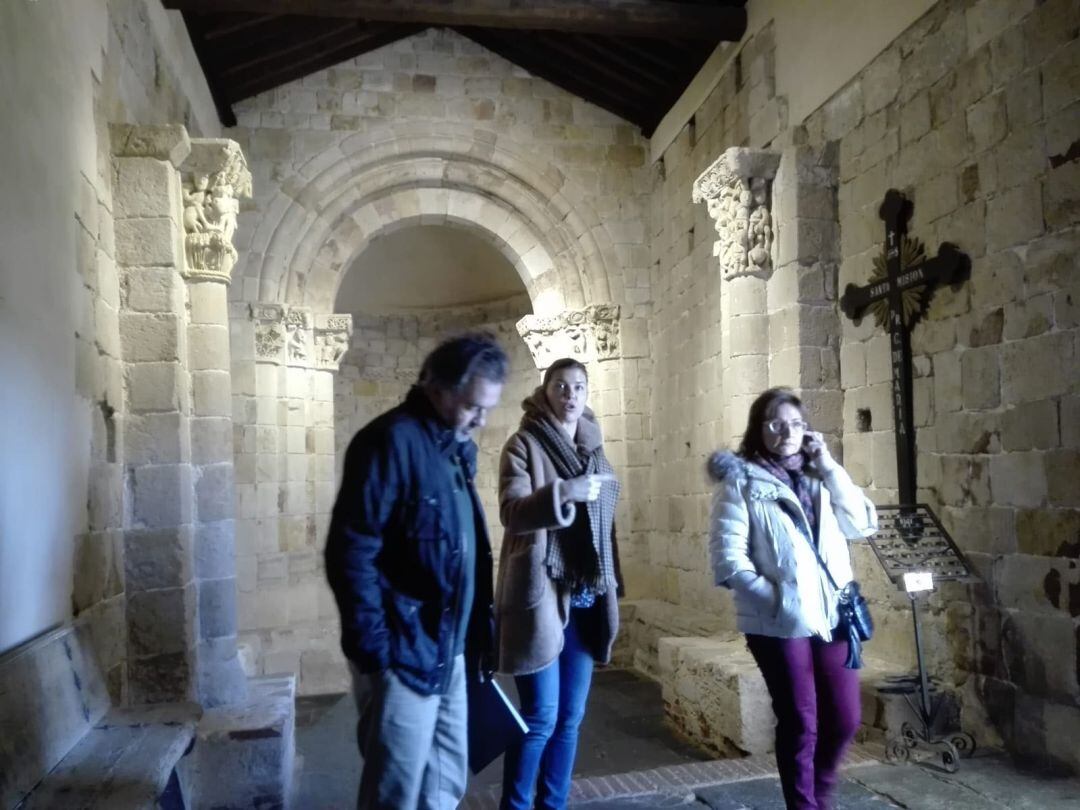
(605, 328)
(297, 327)
(589, 334)
(736, 190)
(332, 335)
(270, 331)
(214, 177)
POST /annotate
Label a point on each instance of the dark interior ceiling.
(631, 57)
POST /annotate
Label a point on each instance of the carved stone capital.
(737, 189)
(332, 334)
(270, 332)
(214, 178)
(298, 336)
(584, 334)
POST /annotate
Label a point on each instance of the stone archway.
(288, 341)
(326, 212)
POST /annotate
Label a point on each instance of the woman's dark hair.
(455, 362)
(762, 410)
(559, 365)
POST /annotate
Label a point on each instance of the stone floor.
(629, 760)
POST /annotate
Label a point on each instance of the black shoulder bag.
(855, 620)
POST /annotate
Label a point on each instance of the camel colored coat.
(531, 609)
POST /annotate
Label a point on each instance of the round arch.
(325, 214)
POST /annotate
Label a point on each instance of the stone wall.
(972, 113)
(692, 411)
(287, 614)
(435, 129)
(64, 504)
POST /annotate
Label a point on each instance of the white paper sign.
(915, 581)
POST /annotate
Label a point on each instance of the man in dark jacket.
(409, 561)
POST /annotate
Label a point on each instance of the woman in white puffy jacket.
(780, 496)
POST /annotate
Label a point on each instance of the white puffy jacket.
(784, 592)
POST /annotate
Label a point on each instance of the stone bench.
(62, 743)
(643, 622)
(713, 692)
(715, 695)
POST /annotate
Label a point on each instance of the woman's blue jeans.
(552, 705)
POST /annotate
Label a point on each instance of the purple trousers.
(816, 702)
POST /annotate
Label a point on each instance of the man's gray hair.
(454, 363)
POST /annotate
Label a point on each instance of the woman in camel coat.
(556, 601)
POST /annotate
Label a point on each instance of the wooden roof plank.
(348, 48)
(654, 19)
(196, 29)
(540, 63)
(296, 41)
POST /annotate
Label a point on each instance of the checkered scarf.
(565, 559)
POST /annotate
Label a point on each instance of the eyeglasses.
(776, 426)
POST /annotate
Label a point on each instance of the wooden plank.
(304, 39)
(654, 19)
(222, 25)
(544, 64)
(196, 30)
(627, 58)
(254, 82)
(617, 76)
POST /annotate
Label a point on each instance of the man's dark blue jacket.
(394, 553)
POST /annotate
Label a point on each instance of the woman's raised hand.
(584, 487)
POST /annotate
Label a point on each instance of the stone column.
(737, 189)
(285, 362)
(154, 440)
(215, 176)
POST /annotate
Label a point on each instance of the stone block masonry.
(964, 113)
(996, 361)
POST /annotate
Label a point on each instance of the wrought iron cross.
(899, 290)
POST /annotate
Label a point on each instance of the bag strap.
(821, 562)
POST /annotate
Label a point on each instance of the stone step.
(124, 763)
(244, 753)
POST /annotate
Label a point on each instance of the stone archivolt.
(214, 177)
(737, 189)
(584, 334)
(288, 335)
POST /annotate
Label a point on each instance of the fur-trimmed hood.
(724, 463)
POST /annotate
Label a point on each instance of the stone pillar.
(155, 440)
(215, 175)
(737, 189)
(174, 230)
(284, 366)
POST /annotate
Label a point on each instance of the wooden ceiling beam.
(336, 52)
(196, 26)
(223, 25)
(540, 62)
(617, 76)
(300, 38)
(628, 60)
(653, 19)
